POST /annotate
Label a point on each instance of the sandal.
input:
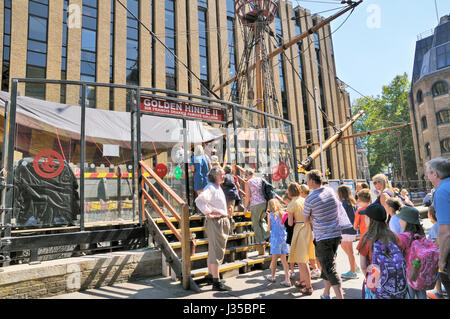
(269, 278)
(286, 283)
(300, 284)
(307, 291)
(291, 274)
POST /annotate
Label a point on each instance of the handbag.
(344, 221)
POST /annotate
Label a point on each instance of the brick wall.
(51, 278)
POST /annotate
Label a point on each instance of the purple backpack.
(392, 283)
(428, 254)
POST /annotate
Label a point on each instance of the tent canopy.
(105, 126)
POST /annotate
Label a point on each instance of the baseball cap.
(409, 214)
(375, 211)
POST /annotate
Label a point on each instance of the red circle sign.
(275, 174)
(161, 170)
(283, 170)
(48, 164)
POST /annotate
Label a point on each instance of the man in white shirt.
(212, 203)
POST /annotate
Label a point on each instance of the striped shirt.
(321, 205)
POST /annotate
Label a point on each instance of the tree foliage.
(389, 109)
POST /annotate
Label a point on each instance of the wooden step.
(192, 218)
(237, 249)
(204, 241)
(200, 273)
(202, 228)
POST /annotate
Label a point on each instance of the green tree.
(389, 109)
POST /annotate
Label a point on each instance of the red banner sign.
(182, 109)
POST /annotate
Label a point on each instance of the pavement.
(251, 285)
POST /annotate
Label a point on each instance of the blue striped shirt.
(321, 205)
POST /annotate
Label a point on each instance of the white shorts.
(346, 237)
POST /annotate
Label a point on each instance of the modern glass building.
(99, 40)
(429, 97)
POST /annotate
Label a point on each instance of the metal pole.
(83, 153)
(266, 128)
(319, 128)
(235, 135)
(139, 155)
(186, 161)
(294, 149)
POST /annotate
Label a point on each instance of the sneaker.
(349, 275)
(220, 286)
(291, 274)
(434, 295)
(315, 273)
(324, 296)
(358, 269)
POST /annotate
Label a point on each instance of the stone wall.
(50, 278)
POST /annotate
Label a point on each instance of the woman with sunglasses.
(385, 190)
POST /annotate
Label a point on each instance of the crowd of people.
(396, 258)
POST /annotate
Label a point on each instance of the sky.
(378, 40)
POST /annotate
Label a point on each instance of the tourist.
(379, 234)
(438, 172)
(321, 209)
(348, 234)
(393, 206)
(212, 203)
(383, 188)
(200, 166)
(256, 203)
(278, 246)
(412, 230)
(405, 198)
(301, 238)
(364, 200)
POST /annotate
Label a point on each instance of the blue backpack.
(392, 283)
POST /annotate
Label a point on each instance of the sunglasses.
(375, 182)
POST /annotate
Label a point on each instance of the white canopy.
(104, 126)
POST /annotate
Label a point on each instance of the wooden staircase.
(186, 256)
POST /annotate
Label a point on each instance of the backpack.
(428, 254)
(392, 283)
(267, 190)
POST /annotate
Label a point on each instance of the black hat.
(409, 214)
(375, 211)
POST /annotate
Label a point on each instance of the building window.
(89, 48)
(445, 145)
(6, 46)
(419, 97)
(439, 88)
(443, 55)
(428, 149)
(64, 51)
(284, 103)
(424, 122)
(37, 47)
(171, 74)
(132, 43)
(232, 57)
(443, 117)
(203, 46)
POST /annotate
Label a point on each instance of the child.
(289, 231)
(349, 234)
(379, 234)
(393, 206)
(364, 199)
(410, 223)
(433, 236)
(278, 246)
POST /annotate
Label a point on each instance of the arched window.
(439, 88)
(428, 149)
(419, 97)
(445, 145)
(424, 122)
(443, 117)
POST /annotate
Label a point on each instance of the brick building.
(92, 40)
(429, 97)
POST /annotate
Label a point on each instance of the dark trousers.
(326, 252)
